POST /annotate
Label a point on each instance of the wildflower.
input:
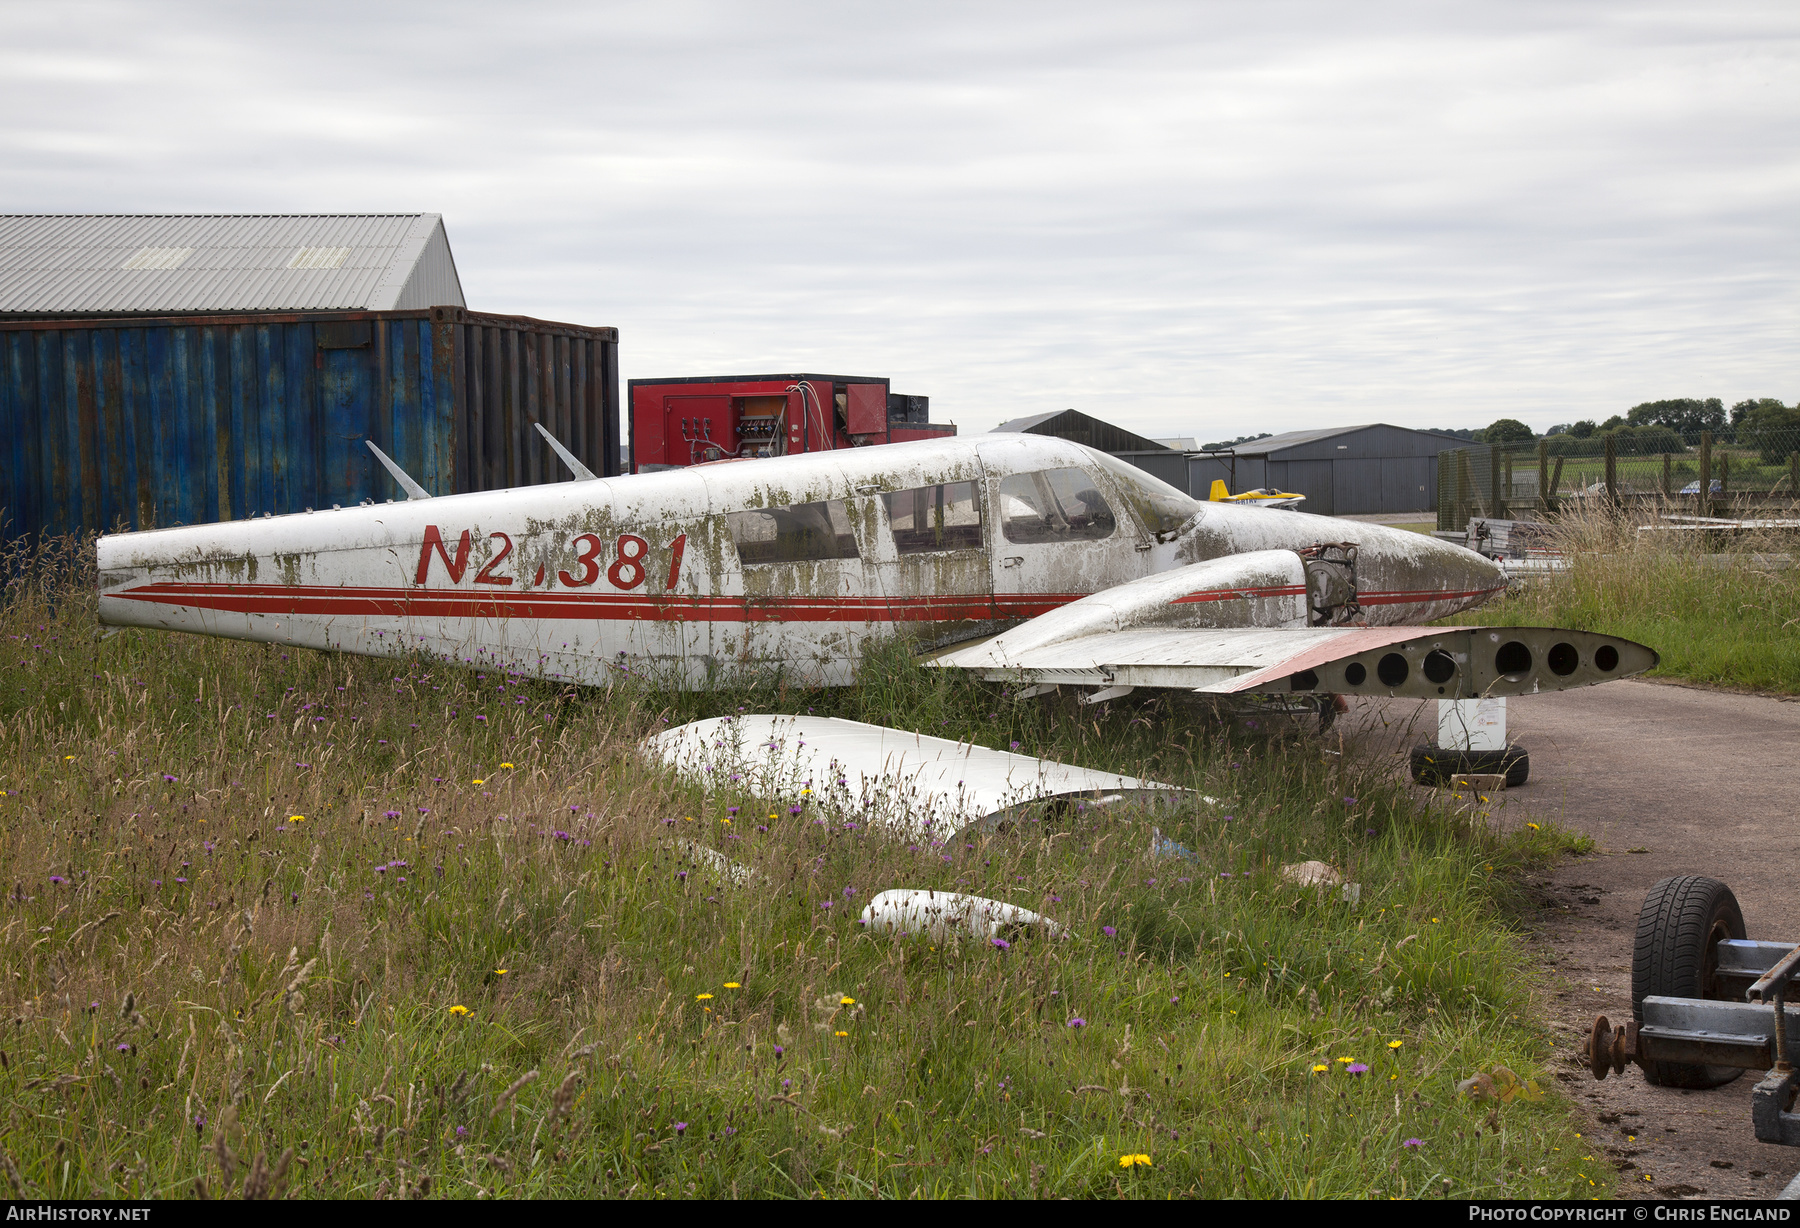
(392, 814)
(1395, 1044)
(1346, 1060)
(296, 818)
(462, 1131)
(168, 779)
(842, 1033)
(500, 972)
(1000, 944)
(680, 1127)
(1109, 931)
(827, 903)
(732, 985)
(1534, 827)
(1321, 1068)
(459, 1010)
(846, 1001)
(478, 782)
(1349, 801)
(1413, 1143)
(778, 1052)
(124, 1048)
(701, 997)
(66, 758)
(1077, 1023)
(506, 765)
(1356, 1068)
(1129, 1161)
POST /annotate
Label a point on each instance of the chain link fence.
(1646, 469)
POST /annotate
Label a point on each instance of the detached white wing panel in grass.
(912, 784)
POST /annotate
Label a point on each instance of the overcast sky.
(1194, 219)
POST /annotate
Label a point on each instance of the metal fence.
(1539, 479)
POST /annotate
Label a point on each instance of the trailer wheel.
(1676, 955)
(1432, 765)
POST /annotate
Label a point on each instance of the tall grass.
(286, 922)
(1719, 611)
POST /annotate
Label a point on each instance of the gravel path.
(1667, 780)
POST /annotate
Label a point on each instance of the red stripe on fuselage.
(279, 599)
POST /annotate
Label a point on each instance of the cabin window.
(1055, 505)
(946, 517)
(802, 533)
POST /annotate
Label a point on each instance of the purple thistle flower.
(1109, 931)
(828, 903)
(1356, 1068)
(461, 1131)
(680, 1127)
(1413, 1143)
(392, 814)
(1000, 944)
(1077, 1023)
(1349, 801)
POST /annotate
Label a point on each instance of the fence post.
(1496, 500)
(1703, 495)
(1544, 478)
(1612, 470)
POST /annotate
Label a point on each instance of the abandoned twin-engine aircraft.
(1027, 559)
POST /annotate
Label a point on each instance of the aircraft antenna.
(581, 471)
(413, 489)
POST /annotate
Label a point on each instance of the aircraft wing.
(1238, 625)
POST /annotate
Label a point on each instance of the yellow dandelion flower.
(701, 997)
(478, 782)
(732, 985)
(843, 1033)
(296, 818)
(1129, 1161)
(66, 758)
(1321, 1068)
(459, 1010)
(804, 792)
(1346, 1060)
(1395, 1044)
(846, 1001)
(506, 765)
(687, 818)
(1534, 827)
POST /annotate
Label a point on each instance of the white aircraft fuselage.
(701, 575)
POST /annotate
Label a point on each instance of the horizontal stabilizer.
(907, 782)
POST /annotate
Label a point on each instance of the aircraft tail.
(1220, 491)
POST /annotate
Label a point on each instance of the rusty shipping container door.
(115, 423)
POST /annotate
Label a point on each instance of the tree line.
(1673, 425)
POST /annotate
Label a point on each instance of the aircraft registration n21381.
(1022, 558)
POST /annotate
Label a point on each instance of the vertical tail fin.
(1220, 492)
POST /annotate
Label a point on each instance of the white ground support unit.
(906, 783)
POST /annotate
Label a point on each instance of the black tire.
(1675, 955)
(1433, 765)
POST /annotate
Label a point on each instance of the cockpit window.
(804, 532)
(1162, 507)
(1054, 505)
(931, 518)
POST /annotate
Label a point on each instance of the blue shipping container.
(119, 423)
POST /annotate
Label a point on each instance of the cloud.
(1187, 218)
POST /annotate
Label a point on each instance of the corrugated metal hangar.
(1342, 471)
(183, 369)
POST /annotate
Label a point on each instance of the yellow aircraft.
(1262, 496)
